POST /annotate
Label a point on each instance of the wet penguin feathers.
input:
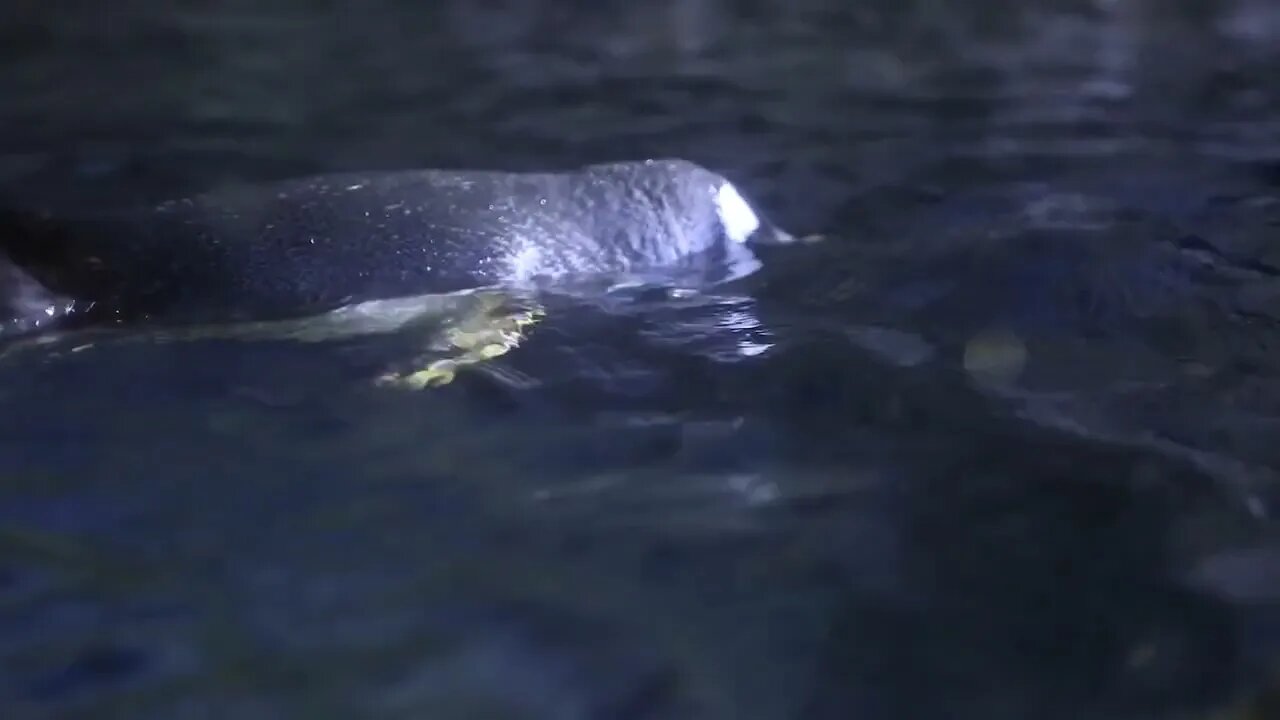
(310, 244)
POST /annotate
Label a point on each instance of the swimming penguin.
(365, 247)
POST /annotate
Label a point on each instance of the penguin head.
(740, 223)
(686, 205)
(714, 208)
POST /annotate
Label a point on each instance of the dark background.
(810, 101)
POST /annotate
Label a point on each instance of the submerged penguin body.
(305, 246)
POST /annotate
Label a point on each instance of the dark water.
(1004, 446)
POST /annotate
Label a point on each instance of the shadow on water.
(1001, 447)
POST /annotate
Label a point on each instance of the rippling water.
(1002, 446)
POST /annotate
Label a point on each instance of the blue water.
(1002, 446)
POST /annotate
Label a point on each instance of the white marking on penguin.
(736, 216)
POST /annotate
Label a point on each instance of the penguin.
(367, 249)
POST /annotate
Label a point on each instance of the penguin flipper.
(499, 327)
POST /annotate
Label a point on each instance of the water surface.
(1003, 446)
